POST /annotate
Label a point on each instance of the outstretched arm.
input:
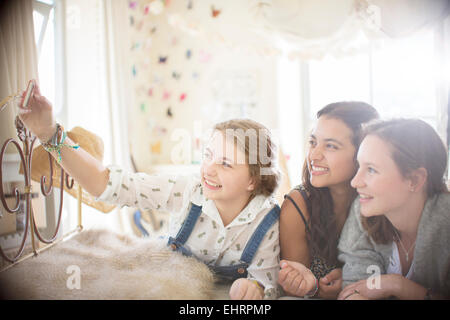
(84, 168)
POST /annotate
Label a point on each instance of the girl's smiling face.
(331, 154)
(225, 175)
(380, 184)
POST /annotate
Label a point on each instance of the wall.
(194, 64)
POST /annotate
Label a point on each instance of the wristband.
(56, 142)
(257, 283)
(313, 292)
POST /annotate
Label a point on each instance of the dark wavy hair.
(414, 144)
(323, 236)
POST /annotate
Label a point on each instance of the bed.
(89, 264)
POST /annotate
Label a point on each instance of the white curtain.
(18, 57)
(94, 81)
(313, 29)
(97, 87)
(120, 90)
(442, 61)
(402, 17)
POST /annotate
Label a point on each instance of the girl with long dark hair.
(313, 213)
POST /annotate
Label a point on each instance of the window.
(403, 78)
(398, 77)
(44, 33)
(48, 44)
(334, 80)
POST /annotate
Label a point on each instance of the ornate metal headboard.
(25, 152)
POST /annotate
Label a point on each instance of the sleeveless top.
(319, 266)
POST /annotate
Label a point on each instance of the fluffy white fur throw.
(111, 266)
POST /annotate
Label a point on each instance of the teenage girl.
(313, 213)
(225, 216)
(395, 242)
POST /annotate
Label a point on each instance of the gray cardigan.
(431, 255)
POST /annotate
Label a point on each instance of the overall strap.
(189, 223)
(258, 235)
(303, 193)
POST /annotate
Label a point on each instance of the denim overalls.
(225, 272)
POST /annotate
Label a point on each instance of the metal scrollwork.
(25, 151)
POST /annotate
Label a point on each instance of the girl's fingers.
(296, 284)
(335, 274)
(36, 90)
(234, 290)
(294, 277)
(282, 277)
(244, 288)
(346, 291)
(301, 288)
(324, 281)
(297, 290)
(284, 264)
(342, 295)
(299, 285)
(282, 274)
(23, 112)
(287, 283)
(337, 283)
(285, 274)
(251, 294)
(350, 286)
(293, 288)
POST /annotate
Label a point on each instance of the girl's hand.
(245, 289)
(38, 116)
(356, 296)
(295, 278)
(387, 286)
(331, 284)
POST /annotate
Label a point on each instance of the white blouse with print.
(210, 240)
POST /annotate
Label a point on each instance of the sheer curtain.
(96, 87)
(18, 57)
(357, 74)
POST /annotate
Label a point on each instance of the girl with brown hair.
(395, 242)
(314, 213)
(225, 216)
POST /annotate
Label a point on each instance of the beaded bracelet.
(257, 284)
(56, 142)
(313, 292)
